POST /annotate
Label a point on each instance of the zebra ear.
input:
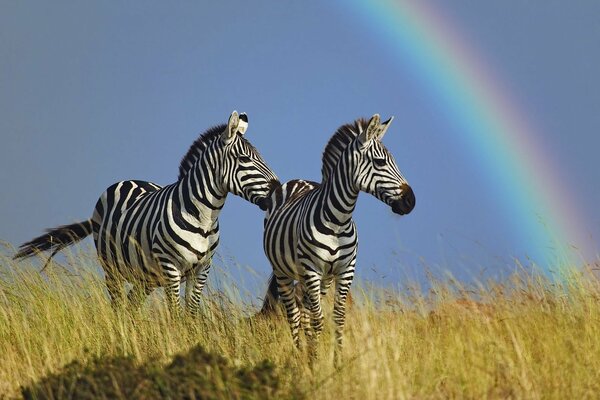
(243, 126)
(232, 127)
(371, 132)
(383, 128)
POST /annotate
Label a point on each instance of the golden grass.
(525, 338)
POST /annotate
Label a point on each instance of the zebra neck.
(199, 198)
(338, 196)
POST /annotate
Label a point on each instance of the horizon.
(94, 94)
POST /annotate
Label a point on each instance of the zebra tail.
(55, 239)
(271, 300)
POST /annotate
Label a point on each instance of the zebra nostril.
(406, 202)
(409, 197)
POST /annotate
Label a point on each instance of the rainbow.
(504, 142)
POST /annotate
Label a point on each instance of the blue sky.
(93, 93)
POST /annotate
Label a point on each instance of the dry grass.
(526, 338)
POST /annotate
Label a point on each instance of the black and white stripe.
(310, 236)
(160, 236)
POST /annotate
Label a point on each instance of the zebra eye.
(244, 159)
(380, 162)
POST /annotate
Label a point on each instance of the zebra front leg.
(304, 309)
(326, 284)
(115, 284)
(285, 287)
(305, 319)
(172, 283)
(137, 294)
(342, 288)
(312, 296)
(196, 279)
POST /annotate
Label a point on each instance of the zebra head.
(245, 172)
(376, 170)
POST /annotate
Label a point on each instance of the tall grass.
(528, 337)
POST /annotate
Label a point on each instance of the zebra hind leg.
(115, 284)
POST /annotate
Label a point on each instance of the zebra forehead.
(243, 147)
(379, 149)
(344, 135)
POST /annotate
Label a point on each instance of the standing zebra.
(153, 236)
(310, 236)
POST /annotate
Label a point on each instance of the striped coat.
(310, 237)
(161, 236)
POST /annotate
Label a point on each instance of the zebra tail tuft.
(55, 239)
(271, 300)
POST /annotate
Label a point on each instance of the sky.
(96, 92)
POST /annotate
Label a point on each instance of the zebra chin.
(266, 202)
(399, 207)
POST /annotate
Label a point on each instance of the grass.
(527, 337)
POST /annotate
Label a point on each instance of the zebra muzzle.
(405, 203)
(264, 203)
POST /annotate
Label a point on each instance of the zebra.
(157, 236)
(309, 234)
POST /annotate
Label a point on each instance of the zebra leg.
(137, 294)
(172, 277)
(312, 295)
(196, 279)
(304, 309)
(115, 284)
(342, 286)
(325, 285)
(116, 288)
(285, 287)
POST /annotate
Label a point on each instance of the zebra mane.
(196, 149)
(338, 143)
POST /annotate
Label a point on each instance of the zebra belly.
(130, 255)
(192, 250)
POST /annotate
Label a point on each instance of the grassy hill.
(524, 338)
